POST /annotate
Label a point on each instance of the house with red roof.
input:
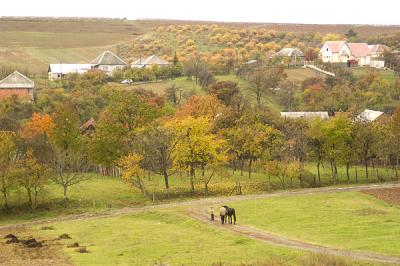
(335, 52)
(361, 53)
(344, 52)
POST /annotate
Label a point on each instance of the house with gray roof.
(150, 61)
(108, 62)
(19, 85)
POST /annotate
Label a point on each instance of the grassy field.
(99, 193)
(171, 238)
(349, 220)
(387, 75)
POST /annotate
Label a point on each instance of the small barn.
(19, 85)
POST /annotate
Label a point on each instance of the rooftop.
(108, 58)
(16, 80)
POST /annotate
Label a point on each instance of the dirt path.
(276, 240)
(191, 203)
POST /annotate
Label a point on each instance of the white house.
(343, 52)
(335, 52)
(57, 71)
(108, 62)
(150, 61)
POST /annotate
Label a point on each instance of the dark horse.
(229, 213)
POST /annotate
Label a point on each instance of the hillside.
(30, 44)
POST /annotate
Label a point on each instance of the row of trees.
(138, 131)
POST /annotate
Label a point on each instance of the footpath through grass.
(349, 220)
(172, 238)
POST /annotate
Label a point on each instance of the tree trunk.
(356, 175)
(250, 163)
(366, 168)
(347, 171)
(5, 199)
(65, 194)
(30, 198)
(205, 188)
(319, 172)
(241, 167)
(192, 173)
(166, 182)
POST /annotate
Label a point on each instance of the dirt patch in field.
(20, 247)
(390, 195)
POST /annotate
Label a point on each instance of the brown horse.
(229, 213)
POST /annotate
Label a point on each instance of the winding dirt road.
(276, 240)
(198, 210)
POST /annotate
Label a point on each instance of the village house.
(335, 52)
(19, 85)
(361, 53)
(57, 71)
(149, 62)
(107, 62)
(290, 56)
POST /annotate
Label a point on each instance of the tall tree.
(337, 134)
(196, 146)
(69, 160)
(157, 147)
(264, 77)
(8, 156)
(32, 176)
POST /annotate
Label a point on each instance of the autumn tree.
(337, 134)
(130, 112)
(264, 77)
(36, 133)
(174, 94)
(253, 140)
(196, 146)
(201, 106)
(157, 147)
(225, 91)
(316, 143)
(32, 176)
(69, 160)
(132, 172)
(108, 143)
(8, 156)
